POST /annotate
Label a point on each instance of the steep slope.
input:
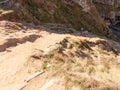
(108, 9)
(79, 14)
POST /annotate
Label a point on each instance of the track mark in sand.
(49, 84)
(20, 86)
(33, 76)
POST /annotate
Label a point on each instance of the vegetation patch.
(82, 65)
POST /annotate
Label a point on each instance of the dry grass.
(84, 65)
(11, 31)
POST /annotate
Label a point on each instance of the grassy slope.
(84, 64)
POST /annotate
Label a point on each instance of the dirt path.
(12, 63)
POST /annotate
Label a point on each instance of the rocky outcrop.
(108, 2)
(9, 10)
(8, 3)
(108, 9)
(80, 14)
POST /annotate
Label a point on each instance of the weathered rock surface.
(78, 13)
(108, 9)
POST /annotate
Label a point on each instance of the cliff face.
(108, 9)
(80, 14)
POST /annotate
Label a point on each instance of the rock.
(77, 13)
(105, 8)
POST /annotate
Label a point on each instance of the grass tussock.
(11, 31)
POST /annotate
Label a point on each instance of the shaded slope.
(80, 14)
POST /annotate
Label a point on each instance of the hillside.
(59, 45)
(81, 12)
